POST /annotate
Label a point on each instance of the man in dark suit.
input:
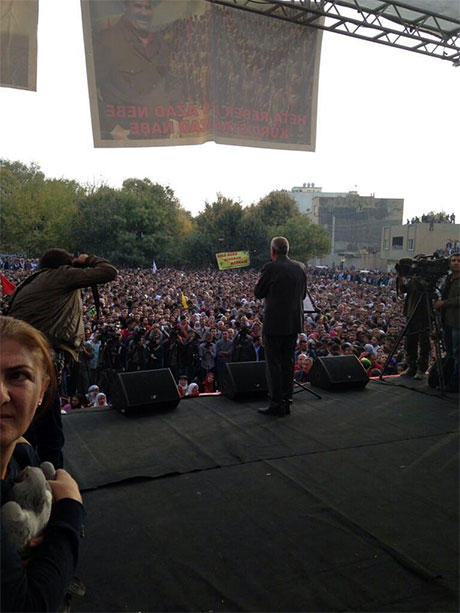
(283, 284)
(256, 350)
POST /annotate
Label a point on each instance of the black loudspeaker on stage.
(339, 372)
(144, 390)
(242, 379)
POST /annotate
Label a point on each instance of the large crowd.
(194, 321)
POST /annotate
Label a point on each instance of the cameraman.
(418, 329)
(50, 300)
(242, 346)
(137, 352)
(109, 352)
(207, 352)
(449, 306)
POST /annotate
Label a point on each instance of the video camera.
(107, 333)
(428, 268)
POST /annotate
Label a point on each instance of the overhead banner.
(232, 259)
(18, 44)
(183, 72)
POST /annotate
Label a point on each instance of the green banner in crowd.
(232, 259)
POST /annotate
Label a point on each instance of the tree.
(99, 221)
(134, 225)
(18, 182)
(155, 219)
(254, 237)
(216, 230)
(14, 174)
(56, 202)
(143, 221)
(306, 239)
(275, 209)
(198, 250)
(36, 213)
(219, 221)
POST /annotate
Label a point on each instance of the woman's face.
(22, 386)
(102, 401)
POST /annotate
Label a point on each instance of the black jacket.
(252, 353)
(283, 284)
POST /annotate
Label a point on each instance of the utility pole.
(333, 238)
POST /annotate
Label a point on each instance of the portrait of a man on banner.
(133, 69)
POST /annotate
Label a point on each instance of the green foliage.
(254, 237)
(219, 223)
(275, 209)
(14, 174)
(143, 221)
(198, 250)
(35, 212)
(225, 226)
(135, 225)
(216, 229)
(440, 215)
(98, 221)
(306, 239)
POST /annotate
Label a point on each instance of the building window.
(410, 244)
(397, 242)
(386, 244)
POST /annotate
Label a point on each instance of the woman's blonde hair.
(31, 338)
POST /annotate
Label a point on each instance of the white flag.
(154, 267)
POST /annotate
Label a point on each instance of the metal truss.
(387, 22)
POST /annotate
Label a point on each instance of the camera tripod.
(432, 327)
(308, 307)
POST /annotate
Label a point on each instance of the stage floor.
(349, 504)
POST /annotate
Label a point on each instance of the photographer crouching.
(50, 300)
(449, 307)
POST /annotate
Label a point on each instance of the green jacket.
(51, 301)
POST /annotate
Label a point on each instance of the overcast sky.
(388, 124)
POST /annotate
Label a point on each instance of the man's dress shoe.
(280, 411)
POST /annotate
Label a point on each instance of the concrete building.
(304, 196)
(353, 222)
(407, 241)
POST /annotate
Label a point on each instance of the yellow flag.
(184, 300)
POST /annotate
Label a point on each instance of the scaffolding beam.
(386, 22)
